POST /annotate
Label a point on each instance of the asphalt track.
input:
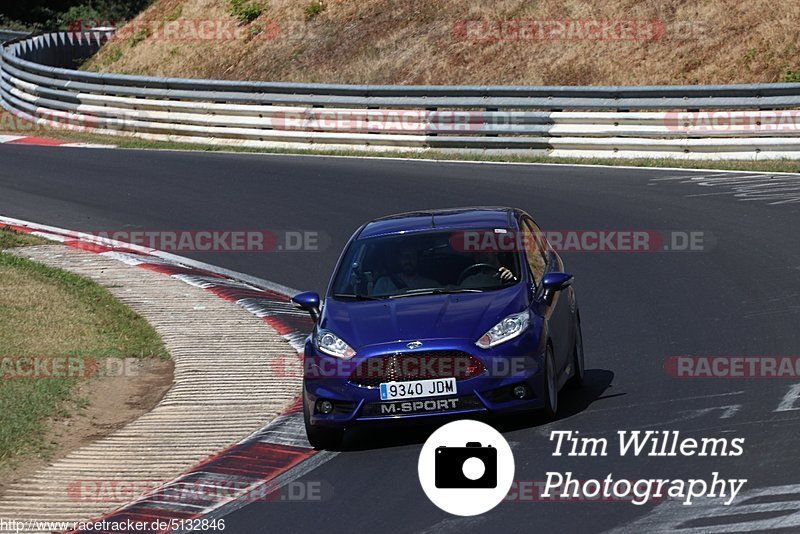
(738, 296)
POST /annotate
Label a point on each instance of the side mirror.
(308, 301)
(552, 282)
(556, 281)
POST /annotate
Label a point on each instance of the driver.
(407, 277)
(487, 277)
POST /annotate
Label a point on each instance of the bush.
(50, 15)
(78, 14)
(792, 76)
(18, 25)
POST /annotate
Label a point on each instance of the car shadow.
(572, 401)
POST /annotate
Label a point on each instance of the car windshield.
(421, 264)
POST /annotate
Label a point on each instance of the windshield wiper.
(437, 291)
(349, 296)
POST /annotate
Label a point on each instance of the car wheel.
(321, 438)
(578, 361)
(550, 385)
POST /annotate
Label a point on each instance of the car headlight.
(332, 345)
(509, 328)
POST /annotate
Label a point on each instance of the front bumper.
(516, 362)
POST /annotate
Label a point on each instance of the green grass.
(313, 9)
(254, 31)
(245, 11)
(47, 312)
(104, 327)
(175, 15)
(22, 431)
(791, 76)
(140, 35)
(10, 238)
(114, 56)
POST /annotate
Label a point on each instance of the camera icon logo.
(466, 468)
(472, 466)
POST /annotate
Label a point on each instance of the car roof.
(426, 220)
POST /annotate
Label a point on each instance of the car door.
(541, 259)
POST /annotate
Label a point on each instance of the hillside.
(549, 42)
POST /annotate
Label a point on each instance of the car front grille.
(404, 367)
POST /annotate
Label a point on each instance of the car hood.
(461, 315)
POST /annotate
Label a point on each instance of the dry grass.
(413, 42)
(33, 309)
(45, 313)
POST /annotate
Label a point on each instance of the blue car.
(455, 312)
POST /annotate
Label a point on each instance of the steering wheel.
(475, 267)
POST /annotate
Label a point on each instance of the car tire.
(550, 408)
(321, 438)
(578, 360)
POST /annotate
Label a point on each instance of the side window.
(535, 250)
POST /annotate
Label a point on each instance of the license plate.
(434, 387)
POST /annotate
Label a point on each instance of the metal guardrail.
(7, 35)
(38, 82)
